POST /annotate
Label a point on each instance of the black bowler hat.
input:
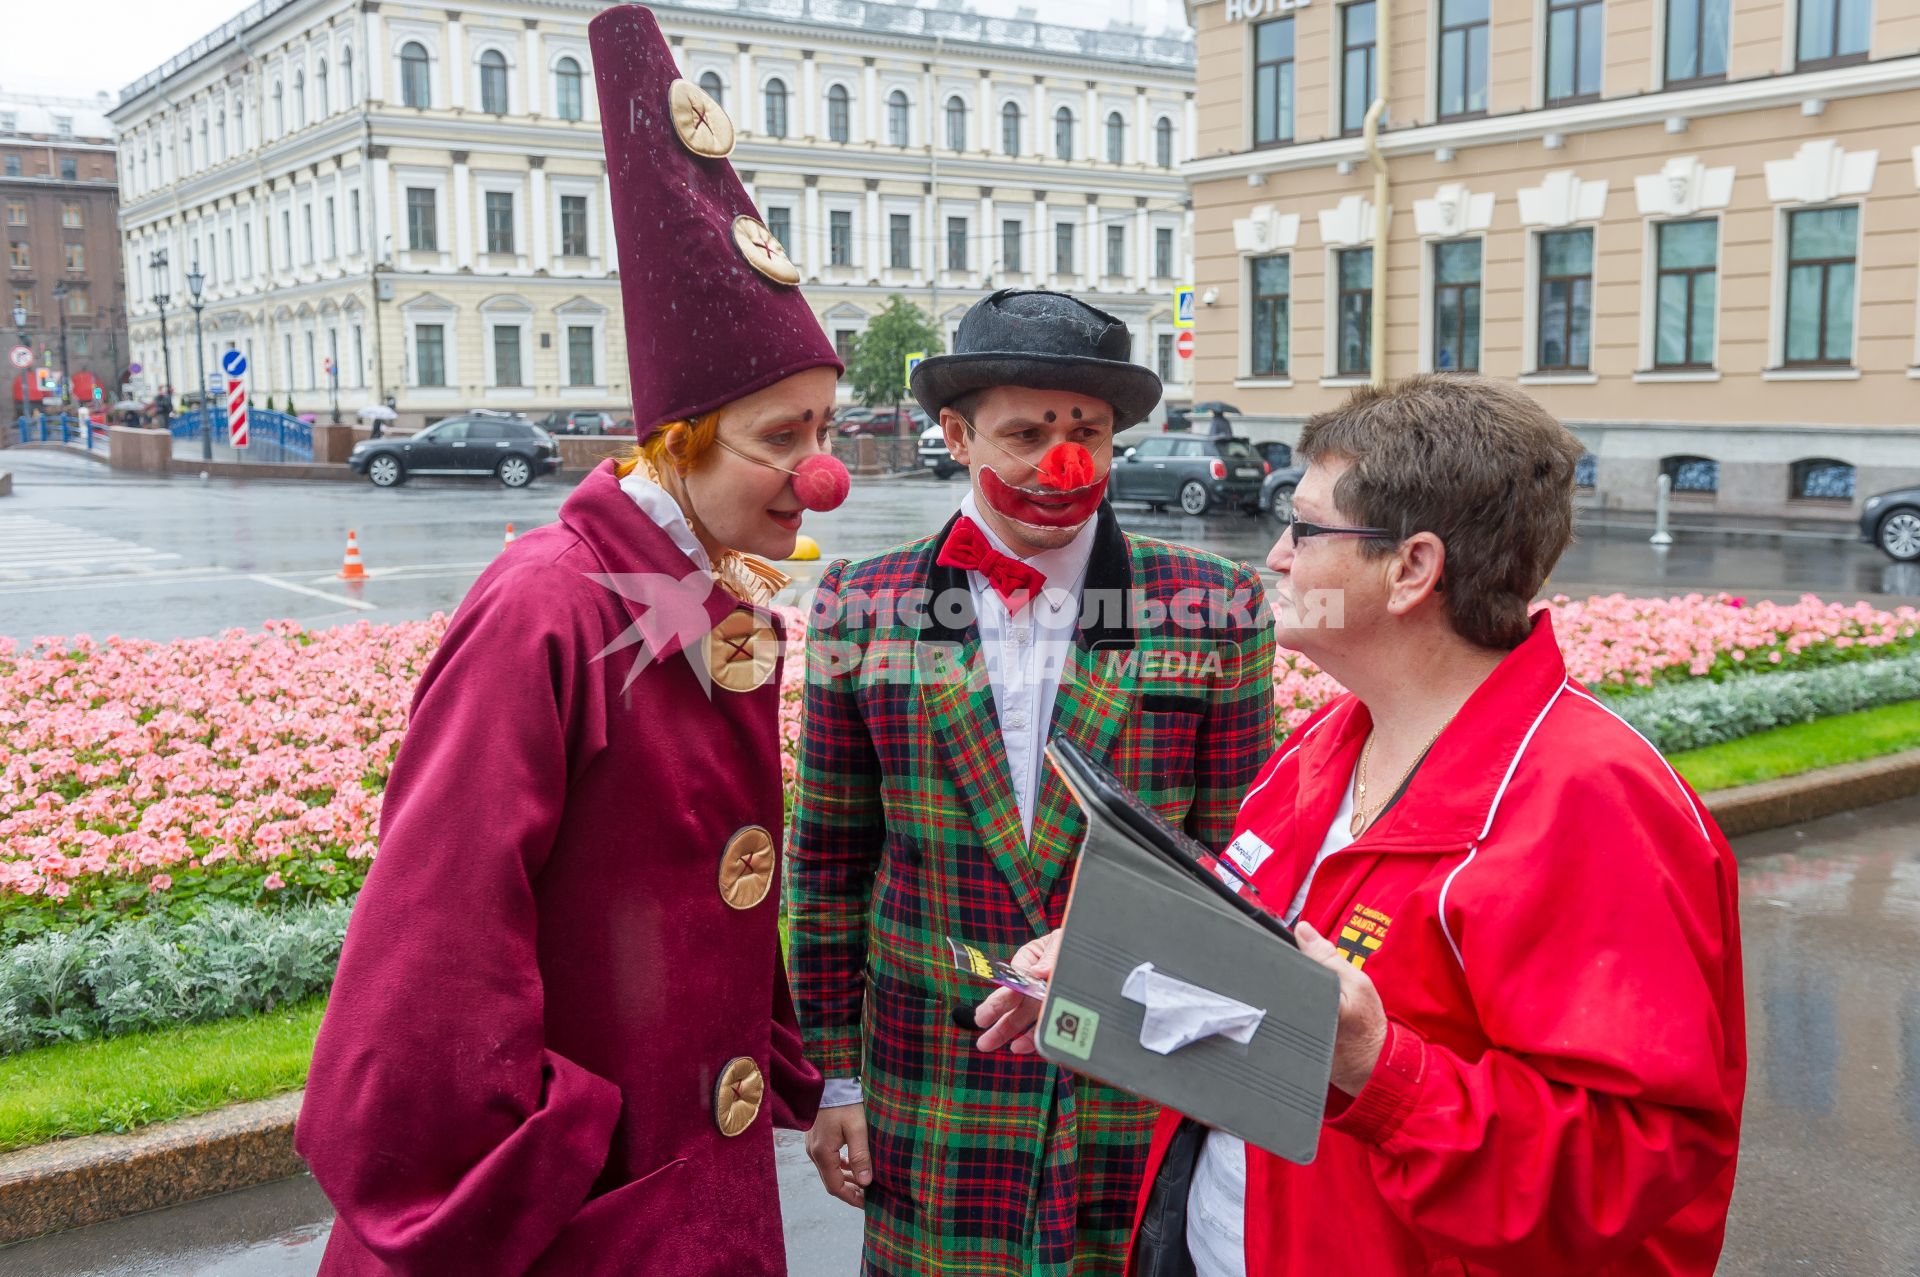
(1043, 341)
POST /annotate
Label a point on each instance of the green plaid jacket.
(906, 832)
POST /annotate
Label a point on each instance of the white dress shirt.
(1025, 655)
(1217, 1201)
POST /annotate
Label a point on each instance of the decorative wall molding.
(1453, 210)
(1561, 199)
(1683, 186)
(1349, 224)
(1265, 230)
(1819, 171)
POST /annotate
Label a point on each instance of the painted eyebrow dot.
(807, 415)
(1076, 414)
(1049, 418)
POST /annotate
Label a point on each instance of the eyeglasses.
(1301, 530)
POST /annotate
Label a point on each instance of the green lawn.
(116, 1084)
(1788, 751)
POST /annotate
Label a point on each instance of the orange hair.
(698, 434)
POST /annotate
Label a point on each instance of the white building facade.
(416, 196)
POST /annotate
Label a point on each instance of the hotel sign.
(1248, 10)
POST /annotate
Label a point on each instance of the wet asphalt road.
(1830, 1152)
(87, 550)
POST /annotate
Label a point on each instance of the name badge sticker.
(1249, 851)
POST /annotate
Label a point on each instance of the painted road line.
(360, 605)
(33, 548)
(107, 581)
(412, 571)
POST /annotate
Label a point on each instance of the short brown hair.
(1473, 461)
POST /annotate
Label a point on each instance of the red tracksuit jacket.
(1551, 920)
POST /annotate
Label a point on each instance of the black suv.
(511, 448)
(1194, 472)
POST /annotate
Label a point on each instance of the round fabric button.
(763, 250)
(746, 868)
(702, 124)
(742, 651)
(737, 1095)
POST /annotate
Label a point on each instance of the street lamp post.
(158, 263)
(194, 282)
(66, 378)
(20, 376)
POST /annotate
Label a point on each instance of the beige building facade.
(1691, 228)
(416, 193)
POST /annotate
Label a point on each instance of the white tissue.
(1179, 1013)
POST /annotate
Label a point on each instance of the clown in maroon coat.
(561, 1036)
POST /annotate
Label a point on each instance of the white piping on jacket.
(1277, 765)
(1492, 812)
(1692, 806)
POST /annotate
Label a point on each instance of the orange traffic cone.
(353, 569)
(508, 539)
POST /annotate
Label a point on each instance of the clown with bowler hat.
(924, 809)
(561, 1037)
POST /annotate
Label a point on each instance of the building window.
(956, 243)
(573, 226)
(1821, 479)
(71, 216)
(18, 257)
(1686, 293)
(1010, 129)
(1116, 250)
(353, 222)
(506, 355)
(1356, 64)
(1163, 252)
(1063, 133)
(776, 95)
(306, 230)
(78, 301)
(286, 235)
(1821, 248)
(1163, 356)
(1353, 352)
(1566, 300)
(299, 111)
(780, 225)
(1273, 82)
(566, 89)
(844, 342)
(333, 232)
(83, 343)
(711, 86)
(347, 93)
(1586, 471)
(1010, 241)
(1833, 32)
(840, 237)
(839, 114)
(16, 212)
(1116, 138)
(320, 88)
(422, 231)
(899, 241)
(499, 221)
(580, 356)
(899, 119)
(11, 167)
(1456, 306)
(69, 169)
(415, 87)
(1272, 285)
(1692, 474)
(956, 125)
(1163, 142)
(1463, 58)
(1696, 40)
(1573, 49)
(429, 355)
(1063, 248)
(493, 82)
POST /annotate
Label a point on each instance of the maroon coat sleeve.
(446, 1134)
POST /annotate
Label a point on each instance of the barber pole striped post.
(234, 364)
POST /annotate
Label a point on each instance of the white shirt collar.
(1064, 567)
(658, 504)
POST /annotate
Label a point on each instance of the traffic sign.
(233, 363)
(1183, 306)
(134, 370)
(913, 361)
(1183, 344)
(21, 356)
(326, 366)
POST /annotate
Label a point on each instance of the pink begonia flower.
(161, 882)
(274, 881)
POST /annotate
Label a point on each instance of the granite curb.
(72, 1183)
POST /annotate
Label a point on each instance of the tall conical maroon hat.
(711, 298)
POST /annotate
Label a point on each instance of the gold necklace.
(1360, 817)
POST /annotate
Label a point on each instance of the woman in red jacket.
(1542, 1052)
(561, 1036)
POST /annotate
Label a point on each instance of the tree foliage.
(877, 368)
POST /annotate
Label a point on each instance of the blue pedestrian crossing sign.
(1183, 306)
(234, 363)
(913, 361)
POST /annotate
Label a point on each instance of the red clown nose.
(1066, 466)
(822, 482)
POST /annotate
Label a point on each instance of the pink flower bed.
(248, 764)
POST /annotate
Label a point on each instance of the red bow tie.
(967, 548)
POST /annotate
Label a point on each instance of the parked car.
(934, 455)
(1891, 521)
(1276, 491)
(1277, 455)
(579, 421)
(1195, 472)
(511, 448)
(880, 421)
